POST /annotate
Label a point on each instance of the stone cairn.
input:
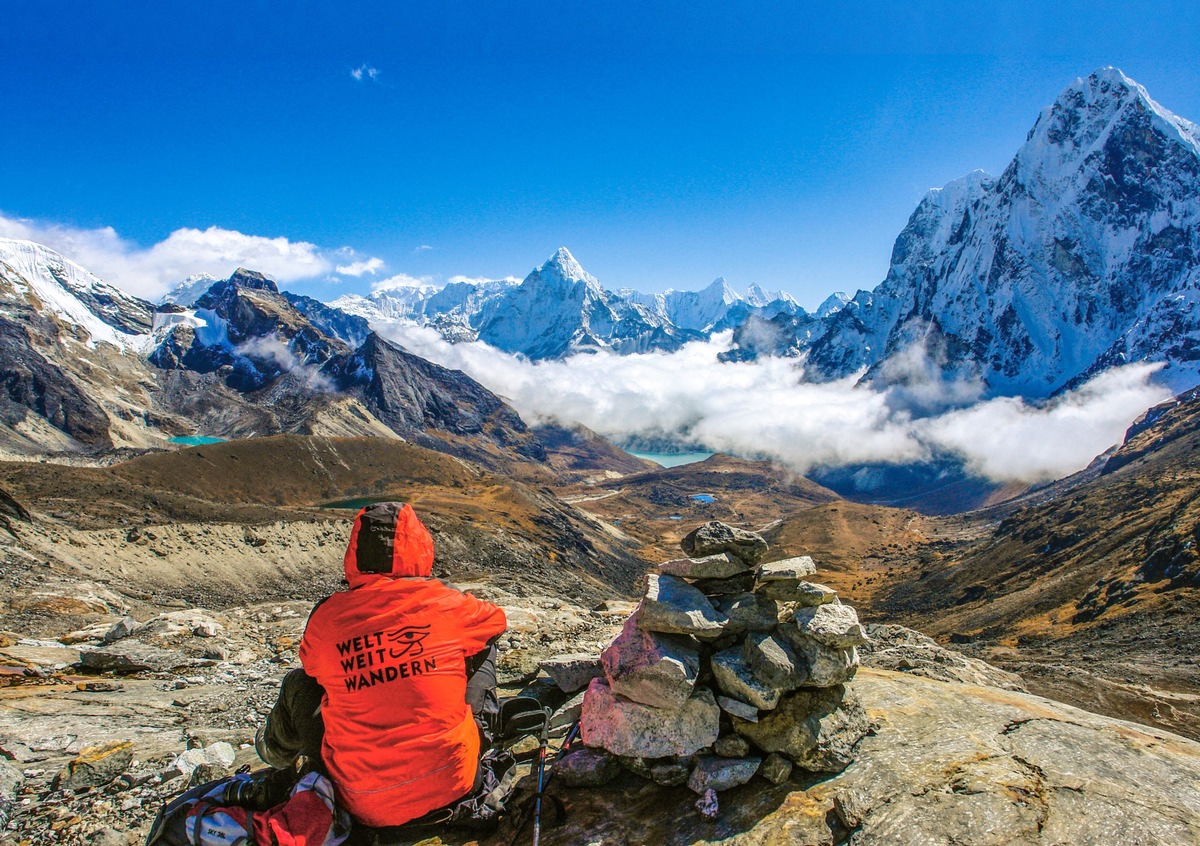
(726, 669)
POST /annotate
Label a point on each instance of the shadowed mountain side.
(487, 528)
(660, 506)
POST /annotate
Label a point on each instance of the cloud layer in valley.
(764, 409)
(150, 272)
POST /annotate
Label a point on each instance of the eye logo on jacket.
(408, 640)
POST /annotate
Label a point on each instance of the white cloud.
(364, 72)
(359, 268)
(400, 280)
(763, 409)
(422, 248)
(151, 271)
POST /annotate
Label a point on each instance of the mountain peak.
(564, 265)
(253, 280)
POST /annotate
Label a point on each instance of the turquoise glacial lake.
(195, 440)
(673, 459)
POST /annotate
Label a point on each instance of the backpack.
(267, 808)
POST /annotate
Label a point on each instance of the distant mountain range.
(1082, 255)
(560, 309)
(85, 367)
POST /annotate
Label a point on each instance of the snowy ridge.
(105, 313)
(1083, 254)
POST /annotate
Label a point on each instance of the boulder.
(573, 672)
(776, 768)
(217, 756)
(826, 665)
(741, 583)
(715, 773)
(831, 625)
(625, 727)
(774, 661)
(130, 657)
(734, 677)
(651, 667)
(897, 648)
(788, 569)
(748, 612)
(666, 772)
(587, 768)
(715, 537)
(737, 708)
(809, 594)
(732, 746)
(817, 729)
(721, 566)
(123, 628)
(568, 713)
(673, 606)
(96, 766)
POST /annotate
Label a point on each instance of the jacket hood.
(388, 541)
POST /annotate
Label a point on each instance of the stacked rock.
(726, 669)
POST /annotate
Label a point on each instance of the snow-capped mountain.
(189, 290)
(560, 309)
(1083, 254)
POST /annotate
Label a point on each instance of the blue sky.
(664, 143)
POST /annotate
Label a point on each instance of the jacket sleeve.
(479, 622)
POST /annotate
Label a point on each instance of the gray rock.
(811, 594)
(802, 593)
(131, 657)
(219, 755)
(715, 773)
(827, 665)
(665, 772)
(206, 628)
(737, 708)
(788, 569)
(673, 606)
(732, 746)
(734, 676)
(96, 766)
(721, 566)
(716, 537)
(123, 628)
(573, 672)
(748, 612)
(651, 667)
(897, 648)
(832, 625)
(817, 729)
(776, 768)
(568, 713)
(10, 780)
(741, 583)
(624, 727)
(587, 768)
(773, 661)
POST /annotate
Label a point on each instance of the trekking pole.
(543, 781)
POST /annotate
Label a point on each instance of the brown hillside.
(659, 507)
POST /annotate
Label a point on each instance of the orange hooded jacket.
(390, 652)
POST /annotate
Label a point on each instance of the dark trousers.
(295, 726)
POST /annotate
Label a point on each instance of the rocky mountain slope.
(1089, 588)
(86, 368)
(1080, 256)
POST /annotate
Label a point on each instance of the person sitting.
(398, 684)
